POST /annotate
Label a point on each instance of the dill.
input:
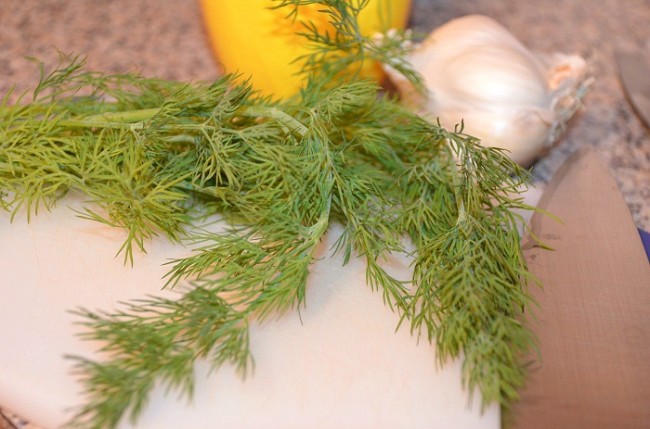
(155, 157)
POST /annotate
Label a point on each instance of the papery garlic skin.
(479, 73)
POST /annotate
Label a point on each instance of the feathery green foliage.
(157, 157)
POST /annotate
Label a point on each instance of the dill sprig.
(156, 341)
(340, 51)
(159, 158)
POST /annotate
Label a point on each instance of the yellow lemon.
(252, 38)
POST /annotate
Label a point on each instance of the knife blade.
(593, 316)
(634, 73)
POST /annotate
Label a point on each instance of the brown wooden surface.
(593, 320)
(6, 422)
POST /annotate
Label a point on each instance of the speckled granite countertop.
(166, 38)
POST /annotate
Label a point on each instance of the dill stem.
(131, 118)
(135, 119)
(85, 123)
(181, 138)
(128, 116)
(277, 114)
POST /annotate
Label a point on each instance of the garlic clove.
(477, 72)
(478, 78)
(508, 128)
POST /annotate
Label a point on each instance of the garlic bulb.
(478, 72)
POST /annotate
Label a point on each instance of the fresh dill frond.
(339, 51)
(156, 341)
(156, 157)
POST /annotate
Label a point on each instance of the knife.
(634, 73)
(593, 316)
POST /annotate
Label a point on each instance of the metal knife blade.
(634, 73)
(593, 319)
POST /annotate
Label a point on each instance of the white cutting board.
(343, 366)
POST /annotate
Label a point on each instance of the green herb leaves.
(157, 157)
(156, 341)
